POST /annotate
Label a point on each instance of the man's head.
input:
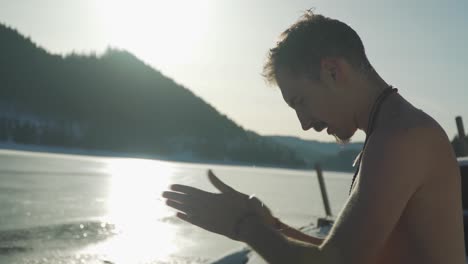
(316, 63)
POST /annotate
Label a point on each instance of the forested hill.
(115, 102)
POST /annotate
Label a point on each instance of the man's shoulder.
(412, 147)
(415, 132)
(401, 153)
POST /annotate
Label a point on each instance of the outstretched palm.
(215, 212)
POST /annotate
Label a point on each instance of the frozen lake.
(57, 208)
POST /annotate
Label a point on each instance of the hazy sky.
(216, 48)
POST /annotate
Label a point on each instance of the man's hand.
(221, 213)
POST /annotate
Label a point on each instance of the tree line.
(117, 103)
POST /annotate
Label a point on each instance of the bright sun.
(168, 31)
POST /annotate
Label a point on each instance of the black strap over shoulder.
(370, 127)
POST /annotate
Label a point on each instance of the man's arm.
(276, 248)
(392, 170)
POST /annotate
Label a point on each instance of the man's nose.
(305, 124)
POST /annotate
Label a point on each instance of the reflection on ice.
(135, 191)
(136, 210)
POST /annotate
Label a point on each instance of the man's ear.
(330, 72)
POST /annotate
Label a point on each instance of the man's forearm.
(275, 248)
(298, 235)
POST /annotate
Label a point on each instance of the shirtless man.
(405, 204)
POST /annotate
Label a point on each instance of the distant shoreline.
(71, 151)
(111, 154)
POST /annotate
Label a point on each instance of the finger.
(224, 188)
(186, 217)
(195, 220)
(183, 216)
(189, 219)
(183, 207)
(175, 196)
(188, 190)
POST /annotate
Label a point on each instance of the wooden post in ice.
(323, 190)
(461, 136)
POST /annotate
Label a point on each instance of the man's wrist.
(238, 225)
(248, 227)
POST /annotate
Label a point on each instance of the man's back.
(430, 228)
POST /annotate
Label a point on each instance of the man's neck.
(370, 91)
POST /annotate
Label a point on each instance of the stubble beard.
(342, 141)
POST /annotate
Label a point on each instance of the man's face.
(317, 105)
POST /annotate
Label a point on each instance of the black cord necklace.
(370, 127)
